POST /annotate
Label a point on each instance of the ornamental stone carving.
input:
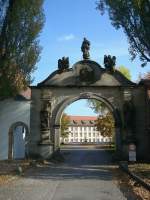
(86, 75)
(45, 121)
(109, 63)
(63, 64)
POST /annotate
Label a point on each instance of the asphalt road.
(85, 175)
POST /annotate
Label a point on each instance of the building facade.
(82, 129)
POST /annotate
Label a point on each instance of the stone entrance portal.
(87, 79)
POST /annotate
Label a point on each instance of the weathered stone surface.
(87, 79)
(86, 73)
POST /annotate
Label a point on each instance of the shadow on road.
(78, 164)
(68, 172)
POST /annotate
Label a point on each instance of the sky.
(80, 108)
(66, 23)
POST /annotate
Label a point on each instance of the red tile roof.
(26, 93)
(79, 118)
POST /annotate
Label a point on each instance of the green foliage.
(22, 22)
(97, 106)
(105, 124)
(125, 71)
(64, 125)
(134, 17)
(105, 121)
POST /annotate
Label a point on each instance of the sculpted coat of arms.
(86, 75)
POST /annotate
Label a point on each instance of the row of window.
(82, 128)
(90, 140)
(84, 134)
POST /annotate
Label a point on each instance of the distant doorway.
(18, 133)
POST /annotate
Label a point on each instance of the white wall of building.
(85, 134)
(11, 111)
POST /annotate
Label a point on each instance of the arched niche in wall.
(18, 139)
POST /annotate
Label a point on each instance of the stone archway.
(11, 138)
(59, 110)
(87, 79)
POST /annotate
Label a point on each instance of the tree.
(125, 71)
(105, 120)
(98, 106)
(134, 17)
(64, 126)
(105, 124)
(3, 5)
(21, 24)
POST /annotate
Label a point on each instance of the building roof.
(24, 95)
(82, 120)
(78, 118)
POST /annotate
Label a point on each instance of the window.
(75, 134)
(89, 134)
(93, 134)
(80, 134)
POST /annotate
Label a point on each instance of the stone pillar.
(45, 121)
(56, 137)
(118, 141)
(45, 145)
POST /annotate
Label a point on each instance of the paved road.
(85, 175)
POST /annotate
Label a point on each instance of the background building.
(82, 129)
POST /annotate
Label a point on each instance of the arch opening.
(96, 136)
(18, 141)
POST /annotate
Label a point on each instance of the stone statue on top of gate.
(109, 63)
(85, 48)
(63, 64)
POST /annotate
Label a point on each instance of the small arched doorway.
(18, 134)
(59, 111)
